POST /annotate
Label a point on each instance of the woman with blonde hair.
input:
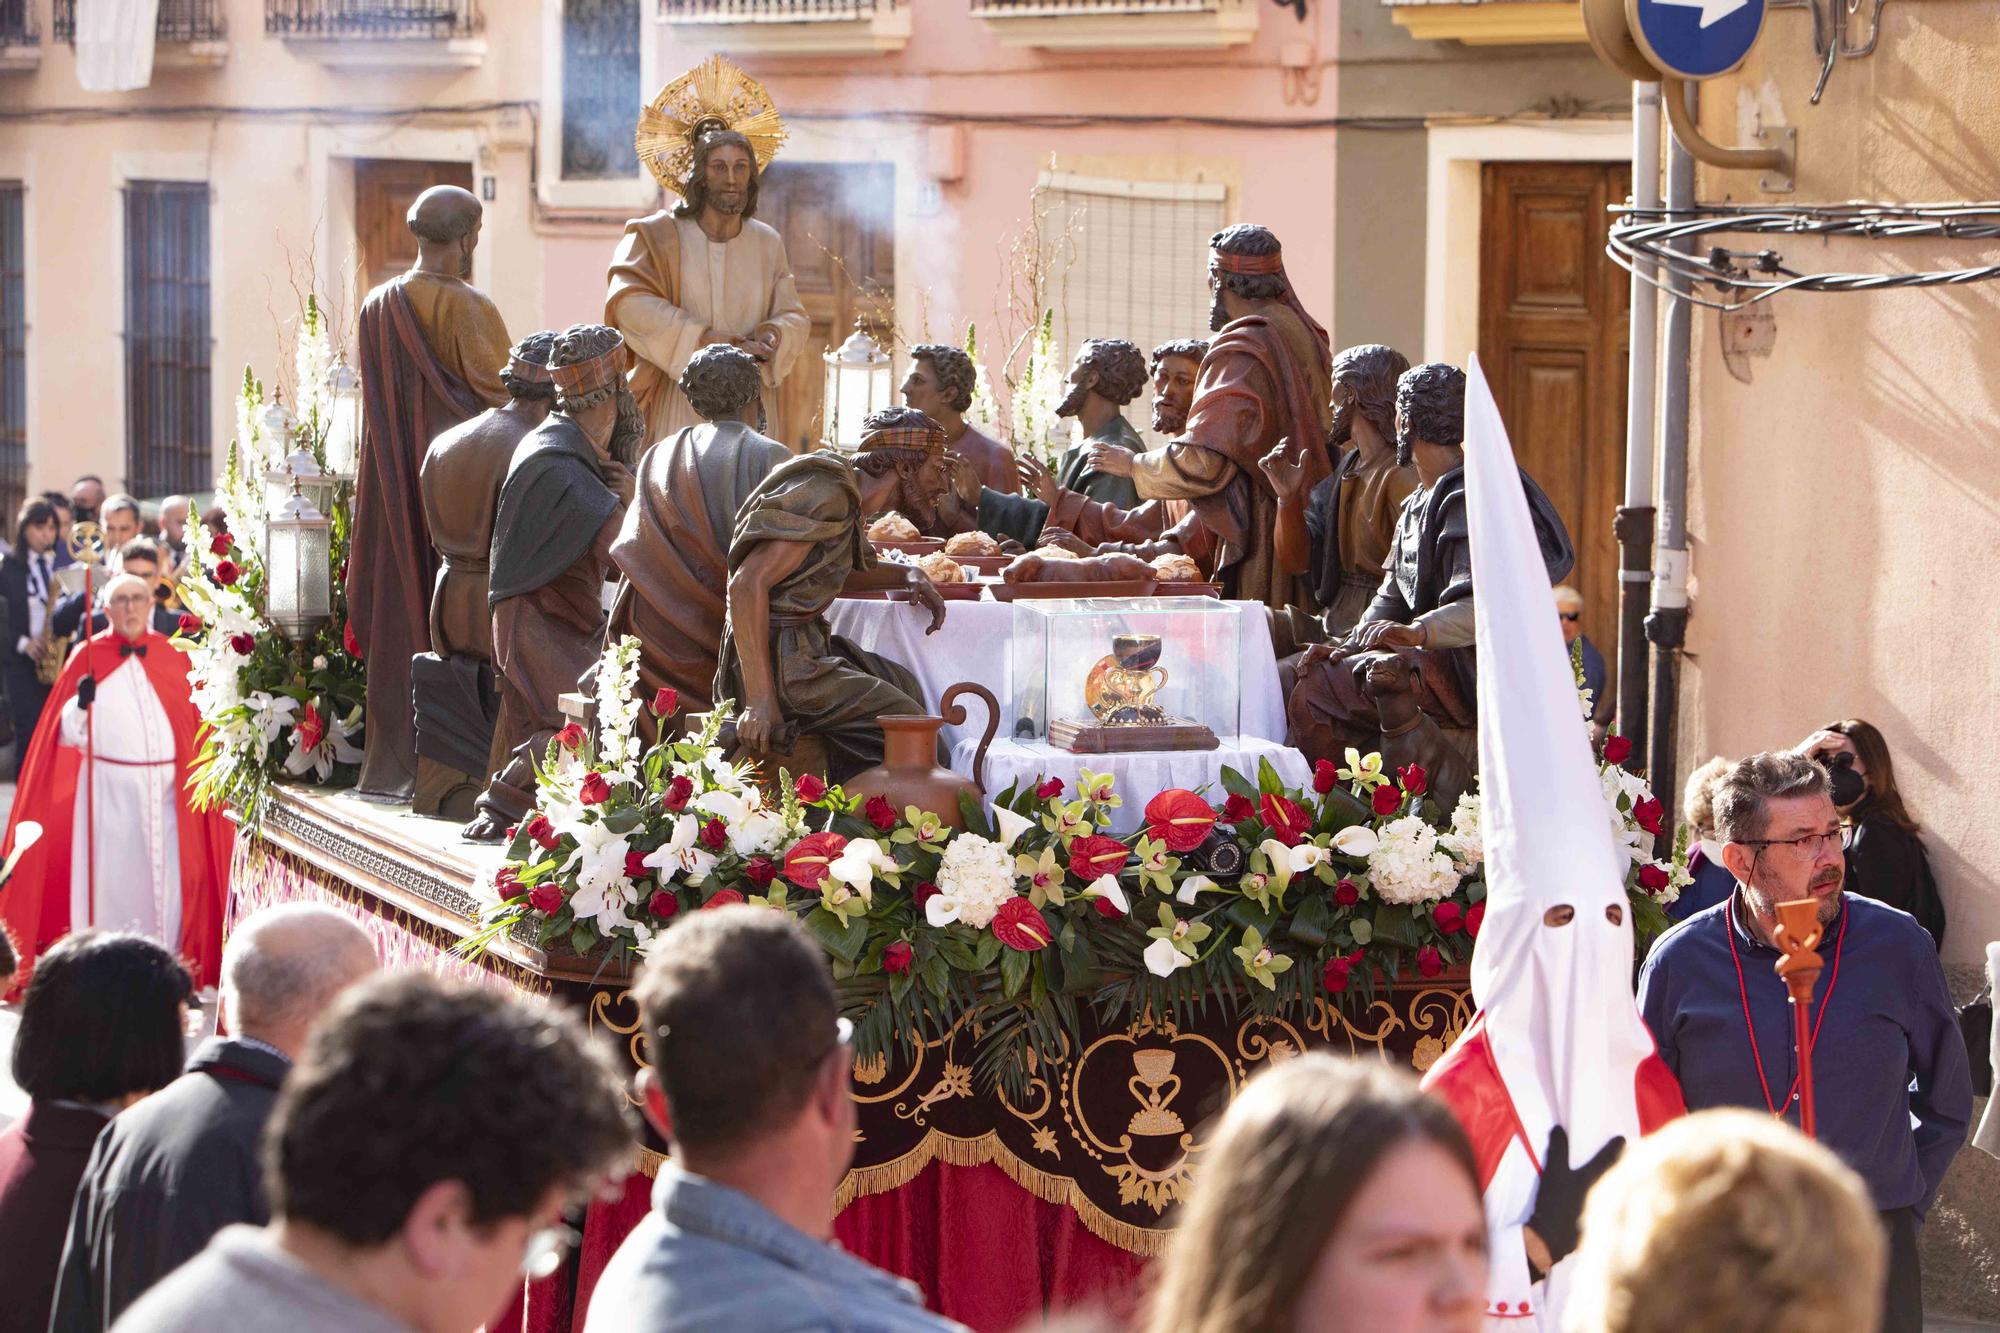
(1332, 1196)
(1712, 881)
(1728, 1221)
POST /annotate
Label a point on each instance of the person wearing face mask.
(1885, 857)
(1712, 881)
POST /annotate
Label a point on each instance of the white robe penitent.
(138, 829)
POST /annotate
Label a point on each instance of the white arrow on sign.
(1712, 11)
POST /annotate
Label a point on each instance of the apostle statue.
(800, 538)
(1267, 377)
(106, 778)
(560, 507)
(456, 693)
(940, 385)
(673, 550)
(705, 271)
(1107, 374)
(431, 348)
(1423, 606)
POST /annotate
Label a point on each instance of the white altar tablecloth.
(1137, 777)
(974, 645)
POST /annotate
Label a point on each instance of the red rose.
(761, 871)
(245, 644)
(1649, 814)
(924, 892)
(1429, 961)
(635, 865)
(880, 813)
(1448, 917)
(1053, 787)
(1651, 878)
(722, 898)
(713, 835)
(665, 700)
(1288, 823)
(663, 904)
(1096, 855)
(350, 641)
(596, 790)
(1387, 800)
(1237, 809)
(809, 788)
(896, 957)
(190, 623)
(806, 863)
(678, 792)
(542, 832)
(1473, 919)
(219, 544)
(571, 736)
(1617, 749)
(1335, 977)
(1019, 925)
(1107, 908)
(1347, 893)
(546, 898)
(227, 572)
(1180, 819)
(312, 729)
(1415, 781)
(513, 830)
(1325, 775)
(508, 881)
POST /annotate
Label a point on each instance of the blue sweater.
(1889, 1050)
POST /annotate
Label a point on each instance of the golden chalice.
(1120, 688)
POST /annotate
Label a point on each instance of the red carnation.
(227, 572)
(1347, 893)
(1429, 961)
(1649, 814)
(809, 787)
(896, 957)
(635, 865)
(1448, 917)
(1325, 775)
(546, 897)
(244, 644)
(312, 729)
(1387, 800)
(507, 880)
(1180, 819)
(1415, 781)
(350, 641)
(1617, 749)
(1107, 908)
(714, 834)
(1019, 925)
(190, 623)
(542, 832)
(924, 892)
(761, 871)
(678, 793)
(663, 904)
(219, 544)
(880, 813)
(1335, 977)
(1651, 878)
(722, 898)
(1096, 855)
(571, 736)
(665, 700)
(1237, 809)
(1473, 918)
(806, 863)
(1288, 823)
(596, 789)
(1053, 787)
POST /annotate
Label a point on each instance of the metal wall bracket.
(1785, 138)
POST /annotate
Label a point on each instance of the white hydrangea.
(974, 877)
(1408, 866)
(1466, 842)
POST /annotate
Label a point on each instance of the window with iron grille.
(167, 407)
(600, 89)
(13, 354)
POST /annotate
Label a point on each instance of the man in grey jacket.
(182, 1165)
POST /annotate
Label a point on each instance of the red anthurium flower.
(1337, 973)
(1237, 809)
(570, 737)
(1473, 919)
(1053, 787)
(806, 863)
(924, 892)
(546, 898)
(1651, 878)
(1325, 774)
(227, 572)
(190, 623)
(663, 904)
(1429, 961)
(761, 871)
(1106, 908)
(714, 834)
(1287, 821)
(896, 957)
(1649, 815)
(1415, 781)
(678, 793)
(1387, 800)
(1617, 749)
(596, 789)
(880, 813)
(809, 788)
(722, 898)
(1448, 917)
(1096, 855)
(219, 544)
(665, 700)
(349, 641)
(1180, 819)
(1019, 925)
(1347, 893)
(243, 644)
(312, 729)
(635, 865)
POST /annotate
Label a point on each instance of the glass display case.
(1118, 674)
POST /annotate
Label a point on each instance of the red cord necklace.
(1750, 1027)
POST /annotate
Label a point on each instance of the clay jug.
(909, 772)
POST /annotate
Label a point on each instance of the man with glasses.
(1892, 1091)
(750, 1082)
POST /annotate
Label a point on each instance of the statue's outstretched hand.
(755, 726)
(1035, 475)
(1113, 459)
(1069, 541)
(1385, 635)
(1284, 470)
(925, 594)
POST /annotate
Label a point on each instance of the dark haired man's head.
(1430, 409)
(86, 495)
(1176, 367)
(724, 177)
(1111, 368)
(902, 465)
(121, 520)
(723, 382)
(1245, 241)
(533, 350)
(445, 219)
(429, 1130)
(140, 558)
(1364, 385)
(103, 1020)
(750, 1077)
(940, 382)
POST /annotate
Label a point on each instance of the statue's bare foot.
(485, 828)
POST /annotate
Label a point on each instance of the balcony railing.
(1086, 25)
(181, 22)
(791, 27)
(1060, 8)
(773, 11)
(374, 20)
(17, 24)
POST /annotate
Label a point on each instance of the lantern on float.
(859, 380)
(343, 426)
(298, 567)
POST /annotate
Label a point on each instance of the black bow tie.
(130, 649)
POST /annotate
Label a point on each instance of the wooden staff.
(1797, 936)
(86, 547)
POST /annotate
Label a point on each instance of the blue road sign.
(1696, 39)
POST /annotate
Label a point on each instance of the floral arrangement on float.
(1272, 897)
(277, 675)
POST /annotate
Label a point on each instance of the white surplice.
(138, 833)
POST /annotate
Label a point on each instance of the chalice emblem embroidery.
(1155, 1085)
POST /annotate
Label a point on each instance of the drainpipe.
(1666, 625)
(1633, 526)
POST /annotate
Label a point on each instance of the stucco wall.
(1845, 505)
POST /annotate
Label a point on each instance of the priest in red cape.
(1556, 1072)
(161, 868)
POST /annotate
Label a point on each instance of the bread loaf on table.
(1033, 568)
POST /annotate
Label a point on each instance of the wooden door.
(1554, 326)
(384, 189)
(838, 223)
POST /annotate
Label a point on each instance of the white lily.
(1305, 856)
(941, 909)
(1356, 840)
(599, 859)
(680, 855)
(1106, 887)
(1010, 825)
(856, 866)
(271, 714)
(1193, 885)
(1162, 958)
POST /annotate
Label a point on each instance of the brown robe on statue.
(673, 551)
(431, 349)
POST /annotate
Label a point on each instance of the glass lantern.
(298, 568)
(859, 380)
(299, 474)
(343, 427)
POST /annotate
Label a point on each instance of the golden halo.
(713, 93)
